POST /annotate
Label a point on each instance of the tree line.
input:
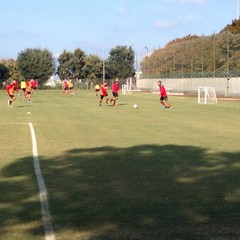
(40, 64)
(217, 55)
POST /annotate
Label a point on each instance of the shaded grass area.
(151, 192)
(141, 192)
(20, 214)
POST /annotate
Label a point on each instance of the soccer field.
(116, 173)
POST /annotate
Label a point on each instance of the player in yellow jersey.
(23, 87)
(71, 86)
(97, 89)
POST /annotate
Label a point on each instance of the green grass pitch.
(121, 173)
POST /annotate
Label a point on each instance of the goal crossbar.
(207, 95)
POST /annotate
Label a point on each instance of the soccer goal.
(207, 95)
(125, 89)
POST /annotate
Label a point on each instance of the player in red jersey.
(65, 87)
(10, 89)
(115, 89)
(29, 91)
(104, 93)
(34, 85)
(163, 96)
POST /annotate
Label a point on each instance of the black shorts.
(163, 98)
(65, 88)
(11, 96)
(24, 89)
(35, 88)
(102, 96)
(115, 94)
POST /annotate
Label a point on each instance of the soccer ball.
(135, 106)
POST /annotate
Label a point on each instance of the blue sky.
(96, 26)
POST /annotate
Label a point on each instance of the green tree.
(71, 64)
(4, 73)
(65, 61)
(93, 68)
(79, 59)
(13, 70)
(120, 63)
(36, 63)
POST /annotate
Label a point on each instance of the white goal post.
(130, 86)
(126, 89)
(207, 95)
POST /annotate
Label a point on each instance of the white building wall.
(222, 86)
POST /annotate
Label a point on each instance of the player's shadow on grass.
(118, 105)
(23, 106)
(141, 192)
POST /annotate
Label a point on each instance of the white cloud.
(161, 9)
(121, 9)
(190, 17)
(163, 24)
(197, 2)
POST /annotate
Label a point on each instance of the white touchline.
(46, 216)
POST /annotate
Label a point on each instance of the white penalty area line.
(14, 123)
(46, 216)
(230, 106)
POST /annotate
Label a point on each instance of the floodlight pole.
(136, 61)
(191, 58)
(237, 9)
(146, 62)
(227, 53)
(227, 62)
(103, 70)
(202, 55)
(214, 54)
(146, 50)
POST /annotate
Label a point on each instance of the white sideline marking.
(15, 123)
(222, 105)
(46, 216)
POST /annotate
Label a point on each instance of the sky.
(97, 26)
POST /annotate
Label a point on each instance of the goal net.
(126, 89)
(129, 86)
(207, 95)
